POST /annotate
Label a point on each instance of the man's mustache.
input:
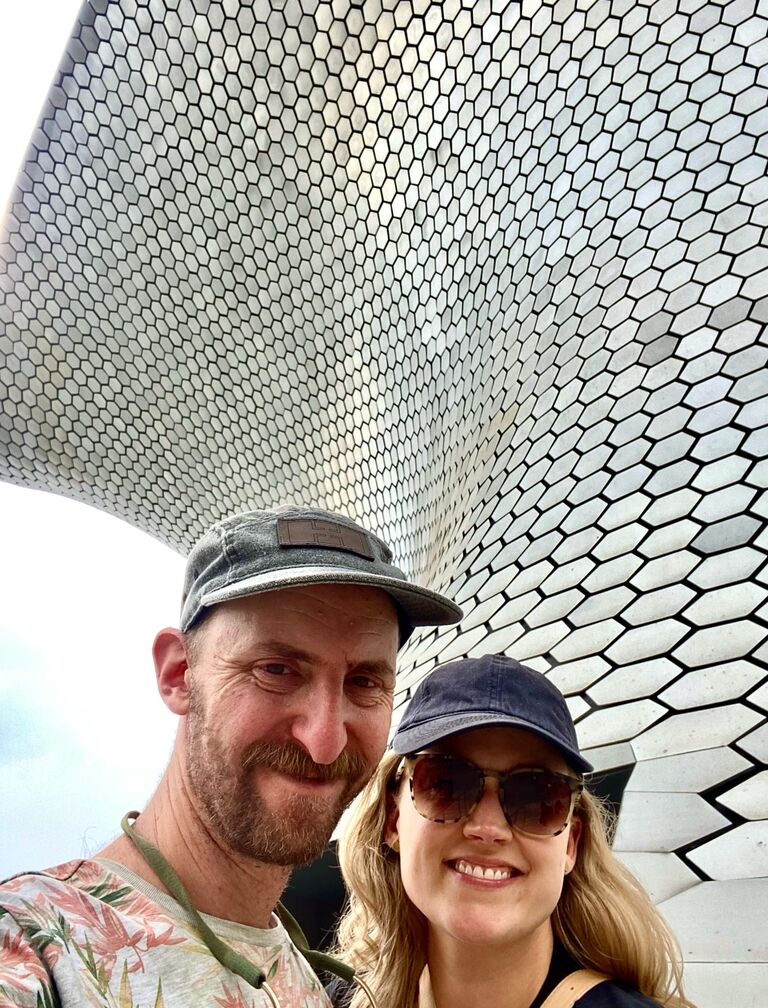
(291, 759)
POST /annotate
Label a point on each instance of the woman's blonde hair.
(604, 918)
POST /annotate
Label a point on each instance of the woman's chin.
(478, 932)
(481, 931)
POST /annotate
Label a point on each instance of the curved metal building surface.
(490, 277)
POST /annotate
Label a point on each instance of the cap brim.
(418, 736)
(421, 606)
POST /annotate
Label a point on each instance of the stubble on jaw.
(223, 784)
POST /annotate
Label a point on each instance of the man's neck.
(219, 881)
(489, 975)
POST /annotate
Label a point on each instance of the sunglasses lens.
(537, 802)
(445, 789)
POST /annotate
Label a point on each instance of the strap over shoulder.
(572, 987)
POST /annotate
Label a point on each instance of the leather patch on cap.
(323, 533)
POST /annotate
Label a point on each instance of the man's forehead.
(356, 600)
(298, 616)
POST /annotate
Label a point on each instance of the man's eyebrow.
(381, 668)
(286, 650)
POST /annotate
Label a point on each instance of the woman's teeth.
(478, 871)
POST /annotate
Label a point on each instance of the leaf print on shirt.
(16, 967)
(109, 945)
(104, 918)
(233, 999)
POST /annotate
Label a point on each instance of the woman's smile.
(485, 873)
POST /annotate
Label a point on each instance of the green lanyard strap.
(229, 959)
(227, 956)
(317, 960)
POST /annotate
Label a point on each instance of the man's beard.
(299, 830)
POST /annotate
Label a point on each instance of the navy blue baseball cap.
(486, 692)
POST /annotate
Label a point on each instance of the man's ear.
(573, 843)
(171, 670)
(391, 835)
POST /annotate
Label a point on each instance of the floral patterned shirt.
(92, 933)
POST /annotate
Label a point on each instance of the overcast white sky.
(83, 732)
(33, 35)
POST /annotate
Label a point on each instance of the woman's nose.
(487, 820)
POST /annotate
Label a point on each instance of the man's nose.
(320, 727)
(487, 821)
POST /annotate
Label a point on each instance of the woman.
(478, 868)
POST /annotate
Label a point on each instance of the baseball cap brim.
(418, 736)
(421, 606)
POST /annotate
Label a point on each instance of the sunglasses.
(448, 788)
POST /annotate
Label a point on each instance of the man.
(282, 677)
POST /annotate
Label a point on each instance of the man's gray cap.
(284, 547)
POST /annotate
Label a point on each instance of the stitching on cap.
(228, 545)
(497, 684)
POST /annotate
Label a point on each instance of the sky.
(33, 36)
(84, 735)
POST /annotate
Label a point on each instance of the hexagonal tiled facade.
(490, 277)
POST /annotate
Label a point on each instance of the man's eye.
(276, 669)
(362, 682)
